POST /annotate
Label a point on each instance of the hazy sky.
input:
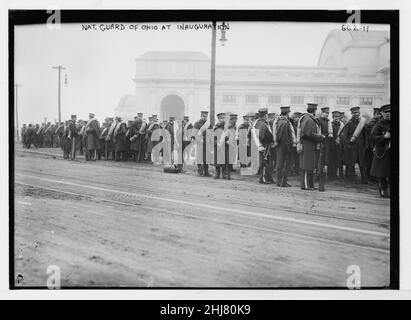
(101, 64)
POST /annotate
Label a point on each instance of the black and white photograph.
(223, 150)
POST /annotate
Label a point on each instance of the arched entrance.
(172, 106)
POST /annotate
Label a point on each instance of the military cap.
(262, 111)
(376, 110)
(285, 109)
(325, 109)
(336, 113)
(154, 116)
(220, 115)
(172, 118)
(140, 114)
(353, 109)
(204, 112)
(312, 106)
(233, 115)
(91, 115)
(250, 115)
(110, 118)
(297, 114)
(186, 118)
(386, 108)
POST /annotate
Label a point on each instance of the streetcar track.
(236, 211)
(153, 190)
(339, 193)
(220, 221)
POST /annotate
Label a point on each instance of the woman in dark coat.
(381, 139)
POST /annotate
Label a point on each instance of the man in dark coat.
(381, 140)
(295, 157)
(284, 139)
(369, 155)
(23, 135)
(354, 139)
(59, 134)
(310, 138)
(265, 141)
(110, 139)
(142, 138)
(202, 125)
(120, 144)
(72, 137)
(133, 134)
(326, 130)
(221, 148)
(92, 131)
(335, 157)
(29, 136)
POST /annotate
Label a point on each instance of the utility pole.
(212, 82)
(59, 67)
(17, 114)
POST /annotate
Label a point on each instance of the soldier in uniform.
(120, 143)
(72, 137)
(326, 130)
(265, 140)
(202, 125)
(30, 136)
(186, 126)
(92, 131)
(335, 158)
(133, 134)
(354, 139)
(220, 142)
(65, 141)
(284, 138)
(151, 128)
(47, 135)
(142, 138)
(170, 128)
(272, 117)
(381, 140)
(110, 139)
(23, 135)
(233, 126)
(369, 155)
(308, 135)
(295, 158)
(245, 126)
(102, 139)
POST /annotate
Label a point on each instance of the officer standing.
(265, 140)
(381, 139)
(310, 138)
(201, 157)
(335, 157)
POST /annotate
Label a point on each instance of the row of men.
(300, 143)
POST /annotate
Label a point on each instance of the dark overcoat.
(380, 167)
(310, 139)
(92, 135)
(354, 152)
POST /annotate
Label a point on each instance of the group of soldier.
(288, 143)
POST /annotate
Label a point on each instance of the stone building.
(353, 69)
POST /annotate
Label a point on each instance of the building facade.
(353, 69)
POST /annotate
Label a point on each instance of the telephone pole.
(17, 114)
(212, 82)
(59, 68)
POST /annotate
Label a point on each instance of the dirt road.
(126, 224)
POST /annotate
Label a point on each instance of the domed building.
(353, 70)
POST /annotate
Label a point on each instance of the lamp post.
(59, 68)
(212, 82)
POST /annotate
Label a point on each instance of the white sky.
(101, 64)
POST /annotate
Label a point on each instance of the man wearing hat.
(245, 125)
(72, 137)
(185, 138)
(381, 139)
(221, 147)
(201, 157)
(92, 131)
(133, 134)
(369, 155)
(295, 157)
(308, 135)
(142, 139)
(272, 121)
(103, 138)
(120, 140)
(354, 140)
(326, 130)
(265, 140)
(335, 157)
(284, 138)
(152, 126)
